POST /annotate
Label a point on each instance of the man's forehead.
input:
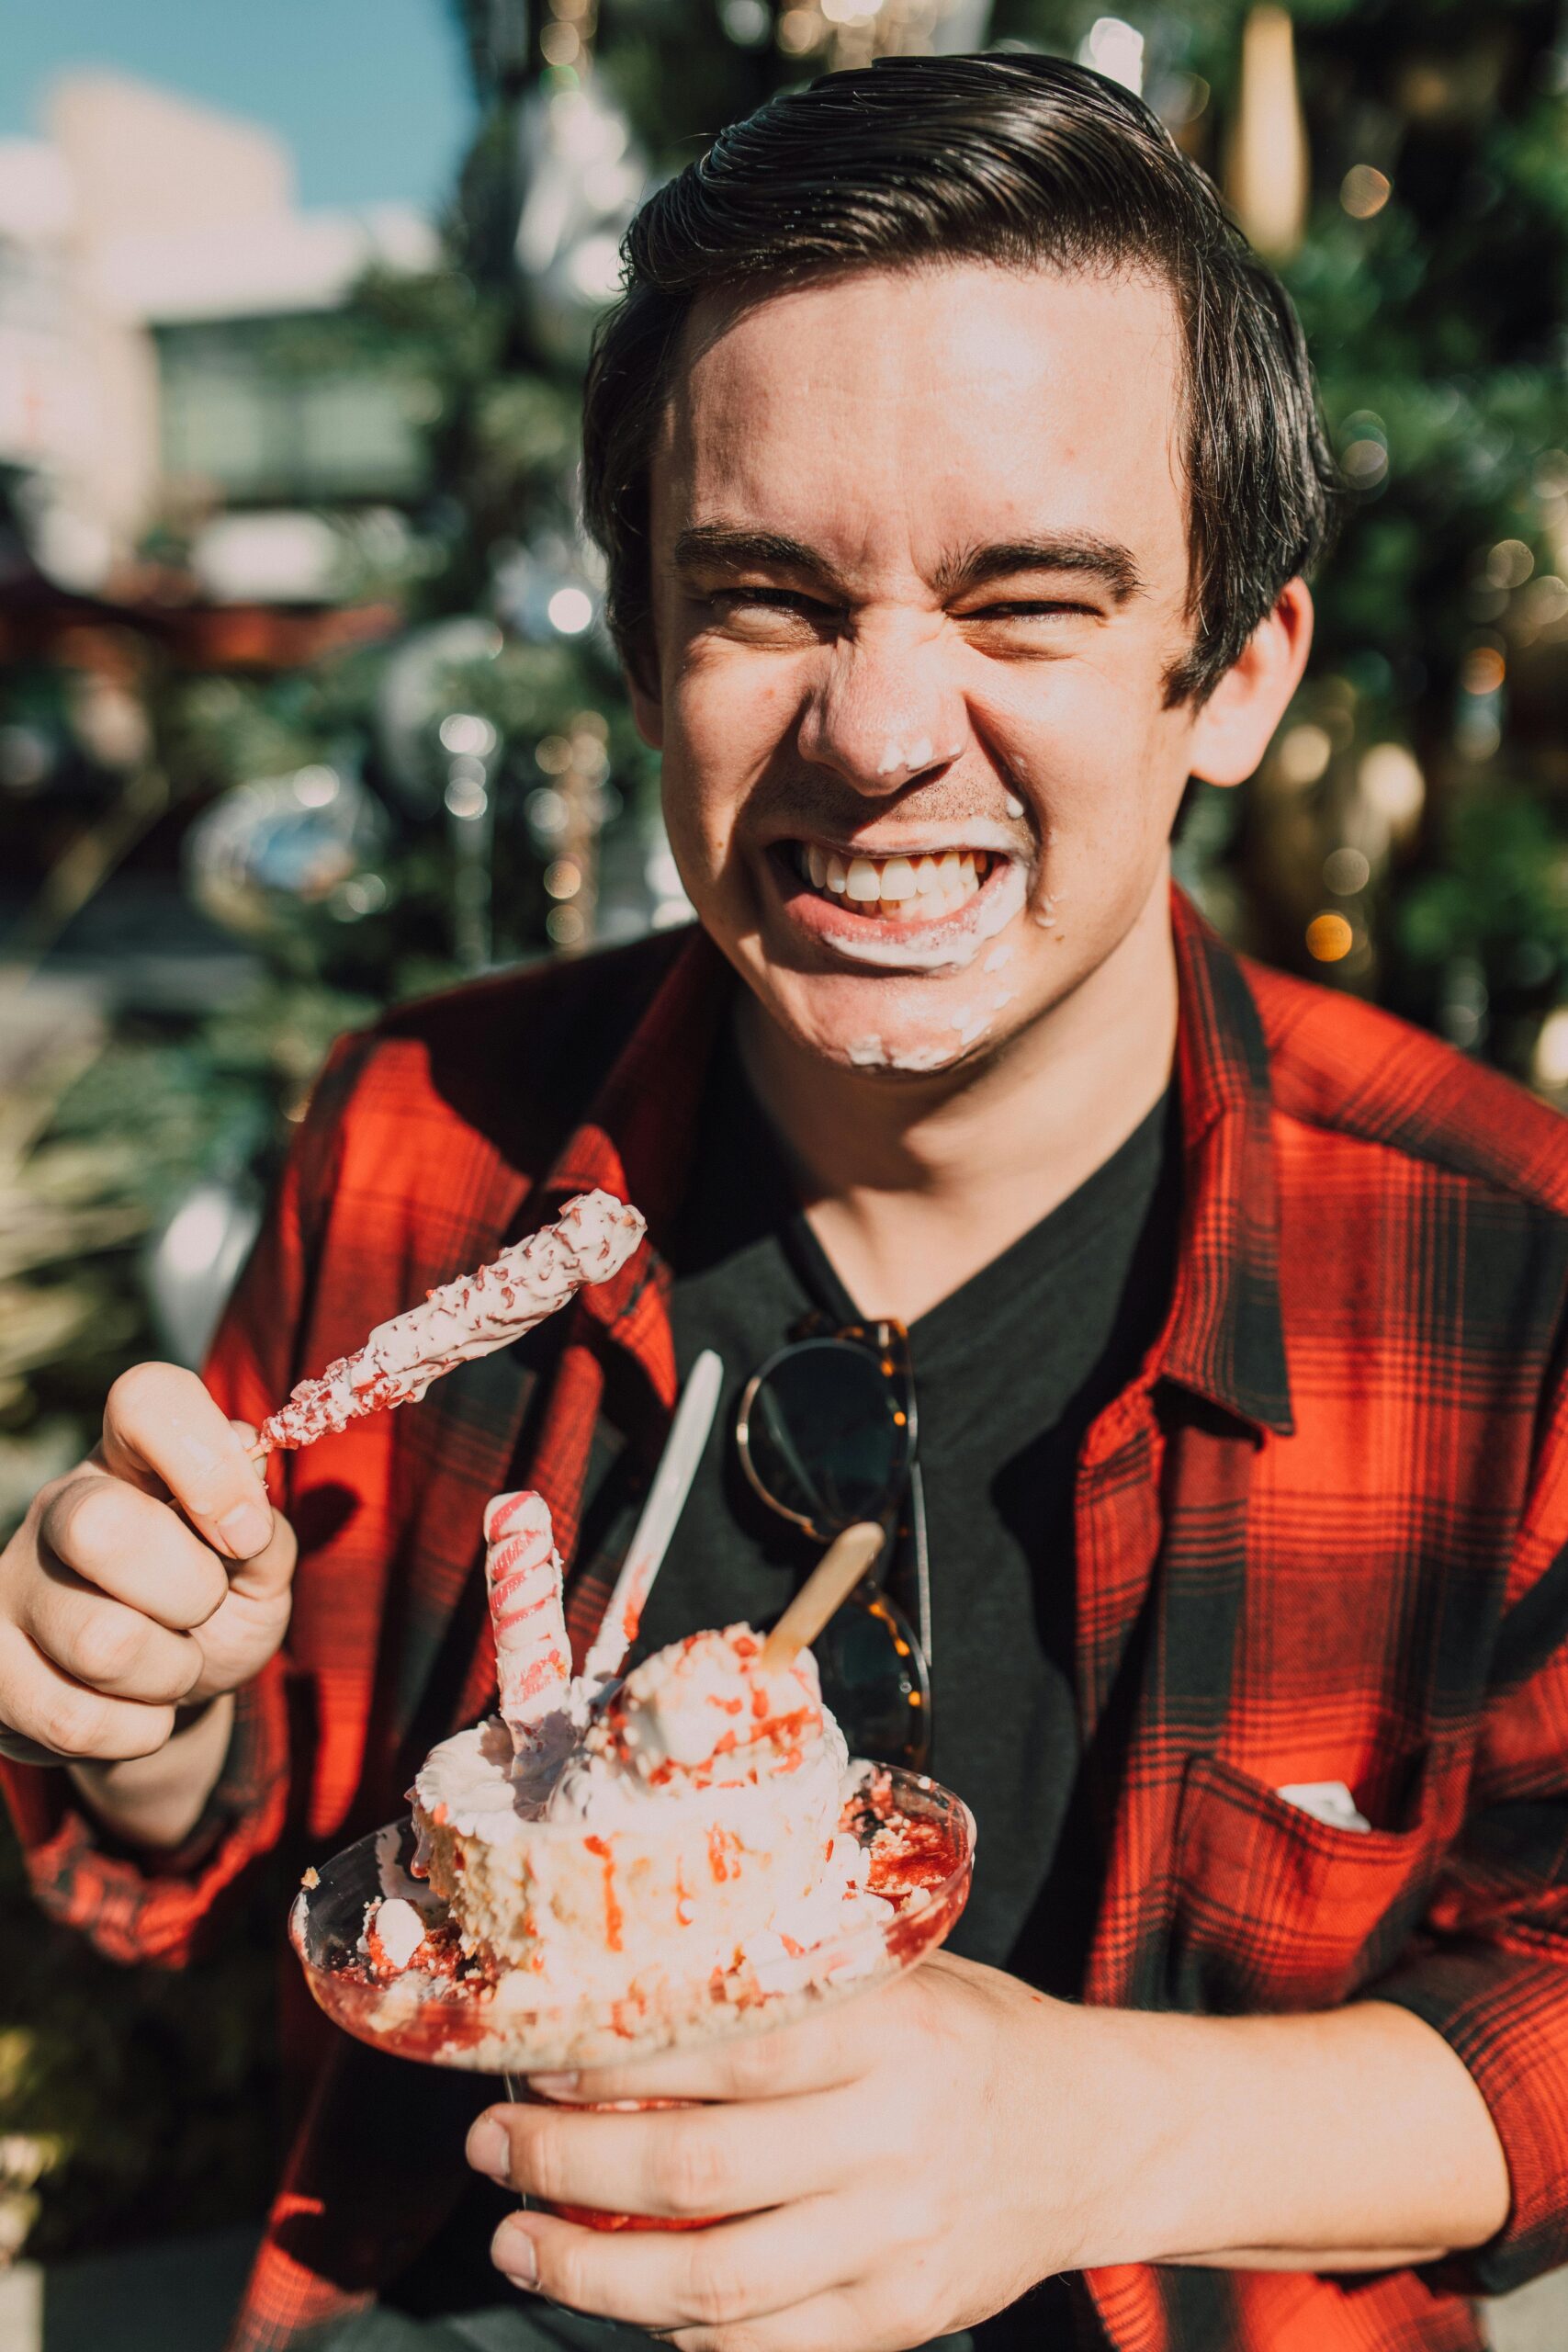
(1006, 400)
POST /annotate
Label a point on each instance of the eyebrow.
(708, 545)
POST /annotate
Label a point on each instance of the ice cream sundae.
(690, 1836)
(613, 1864)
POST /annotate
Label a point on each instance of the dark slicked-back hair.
(1021, 161)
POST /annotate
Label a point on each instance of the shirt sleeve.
(157, 1906)
(1490, 1970)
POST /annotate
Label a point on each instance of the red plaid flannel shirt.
(1323, 1536)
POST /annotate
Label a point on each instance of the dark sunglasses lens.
(829, 1434)
(873, 1681)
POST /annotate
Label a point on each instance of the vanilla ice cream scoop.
(707, 1708)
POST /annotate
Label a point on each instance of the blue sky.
(371, 95)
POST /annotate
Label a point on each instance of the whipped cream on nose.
(909, 758)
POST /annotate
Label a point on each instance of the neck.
(912, 1185)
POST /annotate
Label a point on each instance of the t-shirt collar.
(1223, 1339)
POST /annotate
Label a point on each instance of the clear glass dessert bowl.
(447, 2011)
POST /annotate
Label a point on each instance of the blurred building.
(180, 363)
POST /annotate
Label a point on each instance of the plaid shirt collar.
(1223, 1339)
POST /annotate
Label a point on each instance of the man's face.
(919, 569)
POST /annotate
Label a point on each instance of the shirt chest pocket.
(1275, 1910)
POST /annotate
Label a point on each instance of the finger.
(160, 1420)
(269, 1571)
(833, 2047)
(719, 2277)
(136, 1550)
(38, 1701)
(678, 2163)
(832, 2323)
(106, 1646)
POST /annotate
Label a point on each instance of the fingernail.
(246, 1530)
(489, 2150)
(515, 2255)
(554, 2086)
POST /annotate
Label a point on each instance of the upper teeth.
(891, 882)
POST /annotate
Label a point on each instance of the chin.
(894, 1028)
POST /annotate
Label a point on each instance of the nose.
(884, 712)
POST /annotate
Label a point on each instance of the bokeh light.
(1364, 191)
(1329, 938)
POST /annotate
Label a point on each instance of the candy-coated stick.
(591, 1241)
(523, 1577)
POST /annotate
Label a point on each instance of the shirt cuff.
(1505, 2015)
(156, 1908)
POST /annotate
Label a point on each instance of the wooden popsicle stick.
(832, 1581)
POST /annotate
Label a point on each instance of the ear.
(647, 707)
(1232, 730)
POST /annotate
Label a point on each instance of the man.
(957, 470)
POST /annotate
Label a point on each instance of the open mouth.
(901, 889)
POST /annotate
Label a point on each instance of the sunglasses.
(827, 1432)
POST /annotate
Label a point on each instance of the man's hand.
(153, 1577)
(908, 2163)
(880, 2153)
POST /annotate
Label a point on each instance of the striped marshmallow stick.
(523, 1575)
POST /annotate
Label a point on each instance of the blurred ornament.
(424, 681)
(1390, 782)
(267, 848)
(854, 32)
(1549, 1067)
(26, 756)
(109, 721)
(584, 176)
(1267, 176)
(193, 1261)
(568, 817)
(471, 744)
(1329, 938)
(1115, 50)
(748, 22)
(1363, 452)
(1364, 191)
(548, 589)
(1347, 871)
(1465, 1005)
(1304, 754)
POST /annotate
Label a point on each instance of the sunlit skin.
(906, 431)
(920, 574)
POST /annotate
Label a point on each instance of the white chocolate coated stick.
(589, 1242)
